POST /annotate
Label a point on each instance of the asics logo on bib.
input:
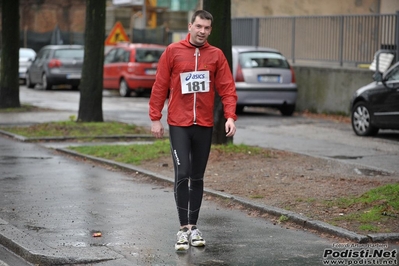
(195, 76)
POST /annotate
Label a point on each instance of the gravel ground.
(298, 183)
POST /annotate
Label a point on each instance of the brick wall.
(43, 15)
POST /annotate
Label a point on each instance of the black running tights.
(190, 147)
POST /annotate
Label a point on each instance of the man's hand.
(157, 129)
(230, 127)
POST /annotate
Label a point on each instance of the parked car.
(131, 67)
(56, 65)
(26, 56)
(263, 77)
(376, 105)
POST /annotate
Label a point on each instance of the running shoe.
(182, 239)
(196, 239)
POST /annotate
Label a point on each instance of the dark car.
(263, 77)
(376, 105)
(56, 65)
(131, 67)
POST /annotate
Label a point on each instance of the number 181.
(196, 86)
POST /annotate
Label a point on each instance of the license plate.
(269, 79)
(150, 71)
(74, 76)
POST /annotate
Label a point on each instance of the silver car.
(263, 77)
(56, 65)
(26, 56)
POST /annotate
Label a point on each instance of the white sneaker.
(182, 239)
(196, 239)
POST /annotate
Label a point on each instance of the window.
(109, 58)
(148, 55)
(119, 56)
(394, 74)
(260, 59)
(69, 54)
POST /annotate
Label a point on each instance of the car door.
(36, 68)
(386, 101)
(108, 69)
(120, 66)
(112, 68)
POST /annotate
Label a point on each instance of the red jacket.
(192, 108)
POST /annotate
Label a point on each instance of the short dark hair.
(203, 14)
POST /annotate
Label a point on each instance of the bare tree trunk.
(91, 85)
(221, 38)
(9, 84)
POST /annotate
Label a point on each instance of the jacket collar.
(187, 43)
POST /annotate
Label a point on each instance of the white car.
(26, 56)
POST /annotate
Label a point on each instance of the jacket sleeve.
(160, 88)
(225, 86)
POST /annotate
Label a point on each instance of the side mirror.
(377, 76)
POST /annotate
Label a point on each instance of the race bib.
(196, 81)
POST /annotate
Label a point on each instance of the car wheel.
(124, 90)
(29, 83)
(361, 120)
(46, 85)
(287, 109)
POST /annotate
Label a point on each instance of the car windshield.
(26, 53)
(393, 75)
(148, 55)
(259, 59)
(69, 54)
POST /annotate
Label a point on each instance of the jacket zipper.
(196, 54)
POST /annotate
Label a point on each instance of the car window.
(109, 57)
(69, 54)
(148, 55)
(262, 59)
(46, 54)
(120, 56)
(26, 53)
(126, 56)
(41, 54)
(394, 74)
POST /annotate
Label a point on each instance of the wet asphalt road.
(51, 204)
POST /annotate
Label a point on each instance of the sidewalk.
(51, 204)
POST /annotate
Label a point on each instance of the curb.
(298, 219)
(39, 253)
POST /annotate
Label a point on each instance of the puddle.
(344, 157)
(35, 228)
(22, 157)
(371, 172)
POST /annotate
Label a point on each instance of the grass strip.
(76, 129)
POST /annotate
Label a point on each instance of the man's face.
(199, 30)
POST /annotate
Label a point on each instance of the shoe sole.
(182, 248)
(199, 244)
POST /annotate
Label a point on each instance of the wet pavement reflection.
(61, 202)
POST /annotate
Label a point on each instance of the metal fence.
(343, 39)
(37, 40)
